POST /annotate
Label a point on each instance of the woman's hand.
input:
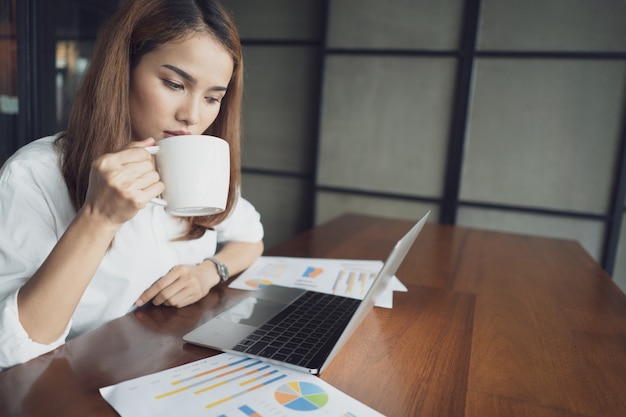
(182, 285)
(186, 284)
(122, 183)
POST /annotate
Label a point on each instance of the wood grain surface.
(493, 324)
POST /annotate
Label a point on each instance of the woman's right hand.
(122, 183)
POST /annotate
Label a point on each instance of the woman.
(80, 242)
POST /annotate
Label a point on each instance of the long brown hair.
(99, 121)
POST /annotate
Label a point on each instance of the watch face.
(221, 269)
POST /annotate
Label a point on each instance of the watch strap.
(222, 270)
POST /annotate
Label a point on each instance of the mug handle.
(156, 200)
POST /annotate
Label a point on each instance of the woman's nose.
(189, 112)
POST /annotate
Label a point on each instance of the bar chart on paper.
(348, 278)
(227, 385)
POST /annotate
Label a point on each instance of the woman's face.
(177, 88)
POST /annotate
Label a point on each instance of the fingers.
(176, 294)
(123, 182)
(166, 290)
(137, 171)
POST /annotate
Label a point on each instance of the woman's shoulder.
(42, 148)
(37, 162)
(38, 154)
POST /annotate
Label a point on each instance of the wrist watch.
(222, 270)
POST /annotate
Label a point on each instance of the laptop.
(293, 327)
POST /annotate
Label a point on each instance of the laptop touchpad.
(251, 311)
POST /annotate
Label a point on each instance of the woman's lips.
(169, 133)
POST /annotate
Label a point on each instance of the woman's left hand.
(186, 284)
(182, 285)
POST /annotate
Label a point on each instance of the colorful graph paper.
(228, 385)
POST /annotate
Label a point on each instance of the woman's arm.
(120, 184)
(186, 284)
(238, 256)
(47, 301)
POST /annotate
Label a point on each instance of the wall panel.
(385, 123)
(331, 205)
(283, 203)
(544, 133)
(553, 25)
(398, 24)
(280, 104)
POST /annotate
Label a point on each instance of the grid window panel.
(282, 203)
(279, 110)
(544, 133)
(553, 25)
(385, 123)
(277, 19)
(399, 24)
(330, 205)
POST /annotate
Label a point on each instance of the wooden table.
(493, 324)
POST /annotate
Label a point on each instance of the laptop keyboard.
(303, 330)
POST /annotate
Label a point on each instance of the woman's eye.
(213, 99)
(173, 85)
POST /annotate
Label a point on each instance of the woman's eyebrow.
(182, 73)
(189, 77)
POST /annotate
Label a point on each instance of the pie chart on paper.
(301, 396)
(258, 283)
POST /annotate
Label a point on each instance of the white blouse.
(35, 210)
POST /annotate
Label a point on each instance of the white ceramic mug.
(196, 172)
